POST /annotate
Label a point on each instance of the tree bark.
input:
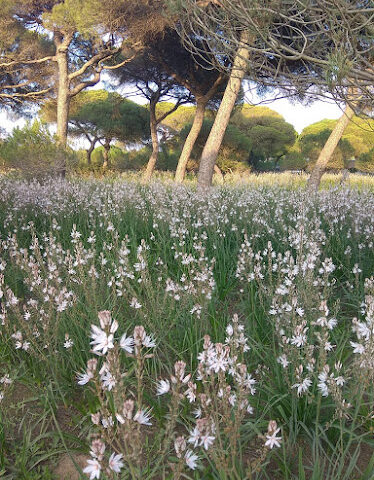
(90, 150)
(63, 97)
(191, 140)
(106, 163)
(345, 176)
(213, 144)
(155, 144)
(218, 172)
(328, 149)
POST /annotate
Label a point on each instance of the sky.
(301, 116)
(297, 114)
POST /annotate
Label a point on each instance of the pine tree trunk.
(213, 144)
(328, 149)
(89, 152)
(63, 98)
(106, 163)
(345, 176)
(155, 145)
(219, 174)
(190, 140)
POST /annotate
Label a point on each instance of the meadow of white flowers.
(225, 337)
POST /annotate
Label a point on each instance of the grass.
(147, 238)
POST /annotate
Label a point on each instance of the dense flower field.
(148, 333)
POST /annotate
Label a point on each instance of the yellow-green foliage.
(255, 111)
(357, 142)
(184, 115)
(178, 119)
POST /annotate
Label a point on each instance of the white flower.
(68, 342)
(107, 422)
(17, 336)
(196, 309)
(143, 417)
(329, 346)
(219, 363)
(135, 304)
(126, 343)
(322, 377)
(272, 440)
(6, 380)
(163, 387)
(93, 469)
(232, 399)
(363, 330)
(101, 341)
(115, 462)
(108, 380)
(191, 391)
(149, 342)
(356, 269)
(282, 359)
(300, 311)
(207, 441)
(250, 409)
(303, 386)
(249, 382)
(197, 412)
(114, 326)
(229, 330)
(331, 324)
(191, 459)
(84, 378)
(323, 389)
(298, 340)
(357, 348)
(194, 437)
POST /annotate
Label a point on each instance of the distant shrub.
(34, 153)
(365, 162)
(293, 160)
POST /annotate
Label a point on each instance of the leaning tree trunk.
(328, 149)
(190, 140)
(213, 144)
(218, 172)
(155, 145)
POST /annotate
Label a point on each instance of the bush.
(293, 160)
(33, 151)
(365, 162)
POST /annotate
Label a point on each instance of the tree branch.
(93, 61)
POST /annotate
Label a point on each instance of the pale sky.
(297, 114)
(301, 116)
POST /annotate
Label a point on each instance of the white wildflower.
(191, 459)
(143, 417)
(93, 469)
(163, 387)
(115, 462)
